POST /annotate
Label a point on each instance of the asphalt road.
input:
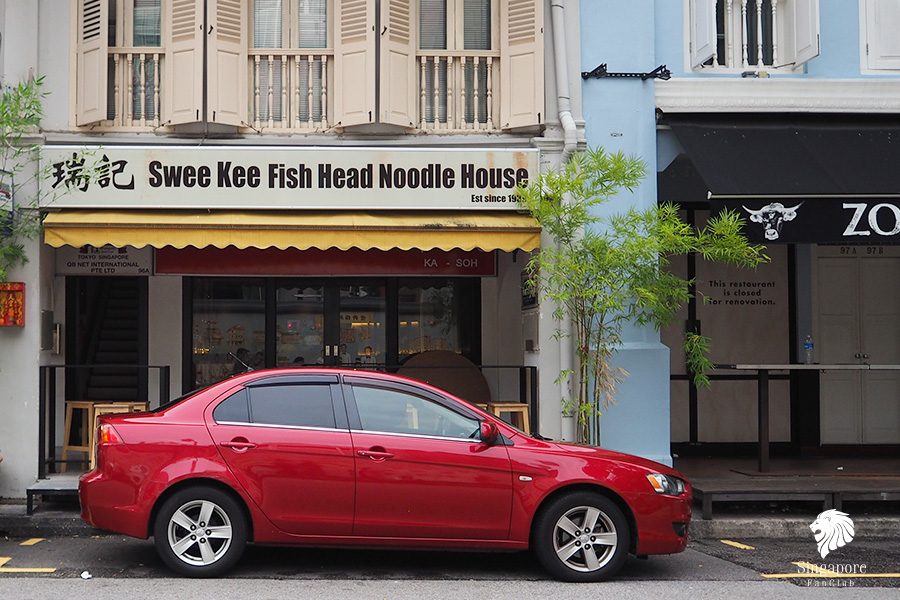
(116, 566)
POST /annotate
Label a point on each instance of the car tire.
(200, 532)
(581, 537)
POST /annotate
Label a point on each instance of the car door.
(421, 470)
(288, 444)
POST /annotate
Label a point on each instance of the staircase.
(115, 342)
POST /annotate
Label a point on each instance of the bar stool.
(518, 413)
(111, 408)
(83, 444)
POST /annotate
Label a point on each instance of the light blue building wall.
(620, 116)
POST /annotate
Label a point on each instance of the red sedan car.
(325, 457)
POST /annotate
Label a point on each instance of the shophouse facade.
(285, 181)
(786, 112)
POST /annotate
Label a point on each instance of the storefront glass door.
(239, 323)
(331, 324)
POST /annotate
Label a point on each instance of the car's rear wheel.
(581, 536)
(200, 532)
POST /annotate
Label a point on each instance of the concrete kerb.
(765, 526)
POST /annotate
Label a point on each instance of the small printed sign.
(108, 260)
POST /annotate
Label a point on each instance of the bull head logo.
(772, 217)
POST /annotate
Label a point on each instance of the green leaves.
(603, 272)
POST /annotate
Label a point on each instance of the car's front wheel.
(200, 532)
(581, 536)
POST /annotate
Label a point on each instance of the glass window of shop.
(228, 332)
(367, 323)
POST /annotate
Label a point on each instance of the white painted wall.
(164, 323)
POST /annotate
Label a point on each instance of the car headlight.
(666, 484)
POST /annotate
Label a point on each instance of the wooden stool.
(84, 441)
(518, 413)
(111, 408)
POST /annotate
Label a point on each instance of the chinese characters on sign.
(71, 174)
(12, 304)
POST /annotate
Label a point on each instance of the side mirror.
(489, 432)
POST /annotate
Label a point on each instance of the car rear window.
(293, 405)
(234, 409)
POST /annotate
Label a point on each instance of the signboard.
(241, 177)
(12, 304)
(108, 260)
(816, 219)
(315, 262)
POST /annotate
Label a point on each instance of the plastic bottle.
(808, 350)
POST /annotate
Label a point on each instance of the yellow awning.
(383, 230)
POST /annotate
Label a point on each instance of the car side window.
(394, 411)
(292, 405)
(234, 409)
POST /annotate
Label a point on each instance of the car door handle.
(375, 454)
(237, 445)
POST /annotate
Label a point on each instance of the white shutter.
(354, 56)
(184, 62)
(521, 63)
(397, 94)
(882, 41)
(703, 31)
(805, 17)
(92, 61)
(227, 68)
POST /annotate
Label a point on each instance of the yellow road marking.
(6, 559)
(32, 542)
(737, 545)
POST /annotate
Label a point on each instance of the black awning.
(761, 154)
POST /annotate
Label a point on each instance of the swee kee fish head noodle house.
(294, 256)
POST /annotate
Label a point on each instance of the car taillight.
(108, 435)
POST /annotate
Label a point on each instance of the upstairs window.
(461, 26)
(310, 65)
(752, 34)
(289, 62)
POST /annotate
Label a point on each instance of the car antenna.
(234, 356)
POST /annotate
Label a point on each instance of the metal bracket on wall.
(660, 72)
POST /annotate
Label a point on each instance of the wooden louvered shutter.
(521, 63)
(184, 62)
(703, 31)
(397, 94)
(92, 61)
(882, 41)
(227, 69)
(804, 18)
(354, 54)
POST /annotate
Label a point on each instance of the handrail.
(47, 395)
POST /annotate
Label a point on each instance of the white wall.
(164, 323)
